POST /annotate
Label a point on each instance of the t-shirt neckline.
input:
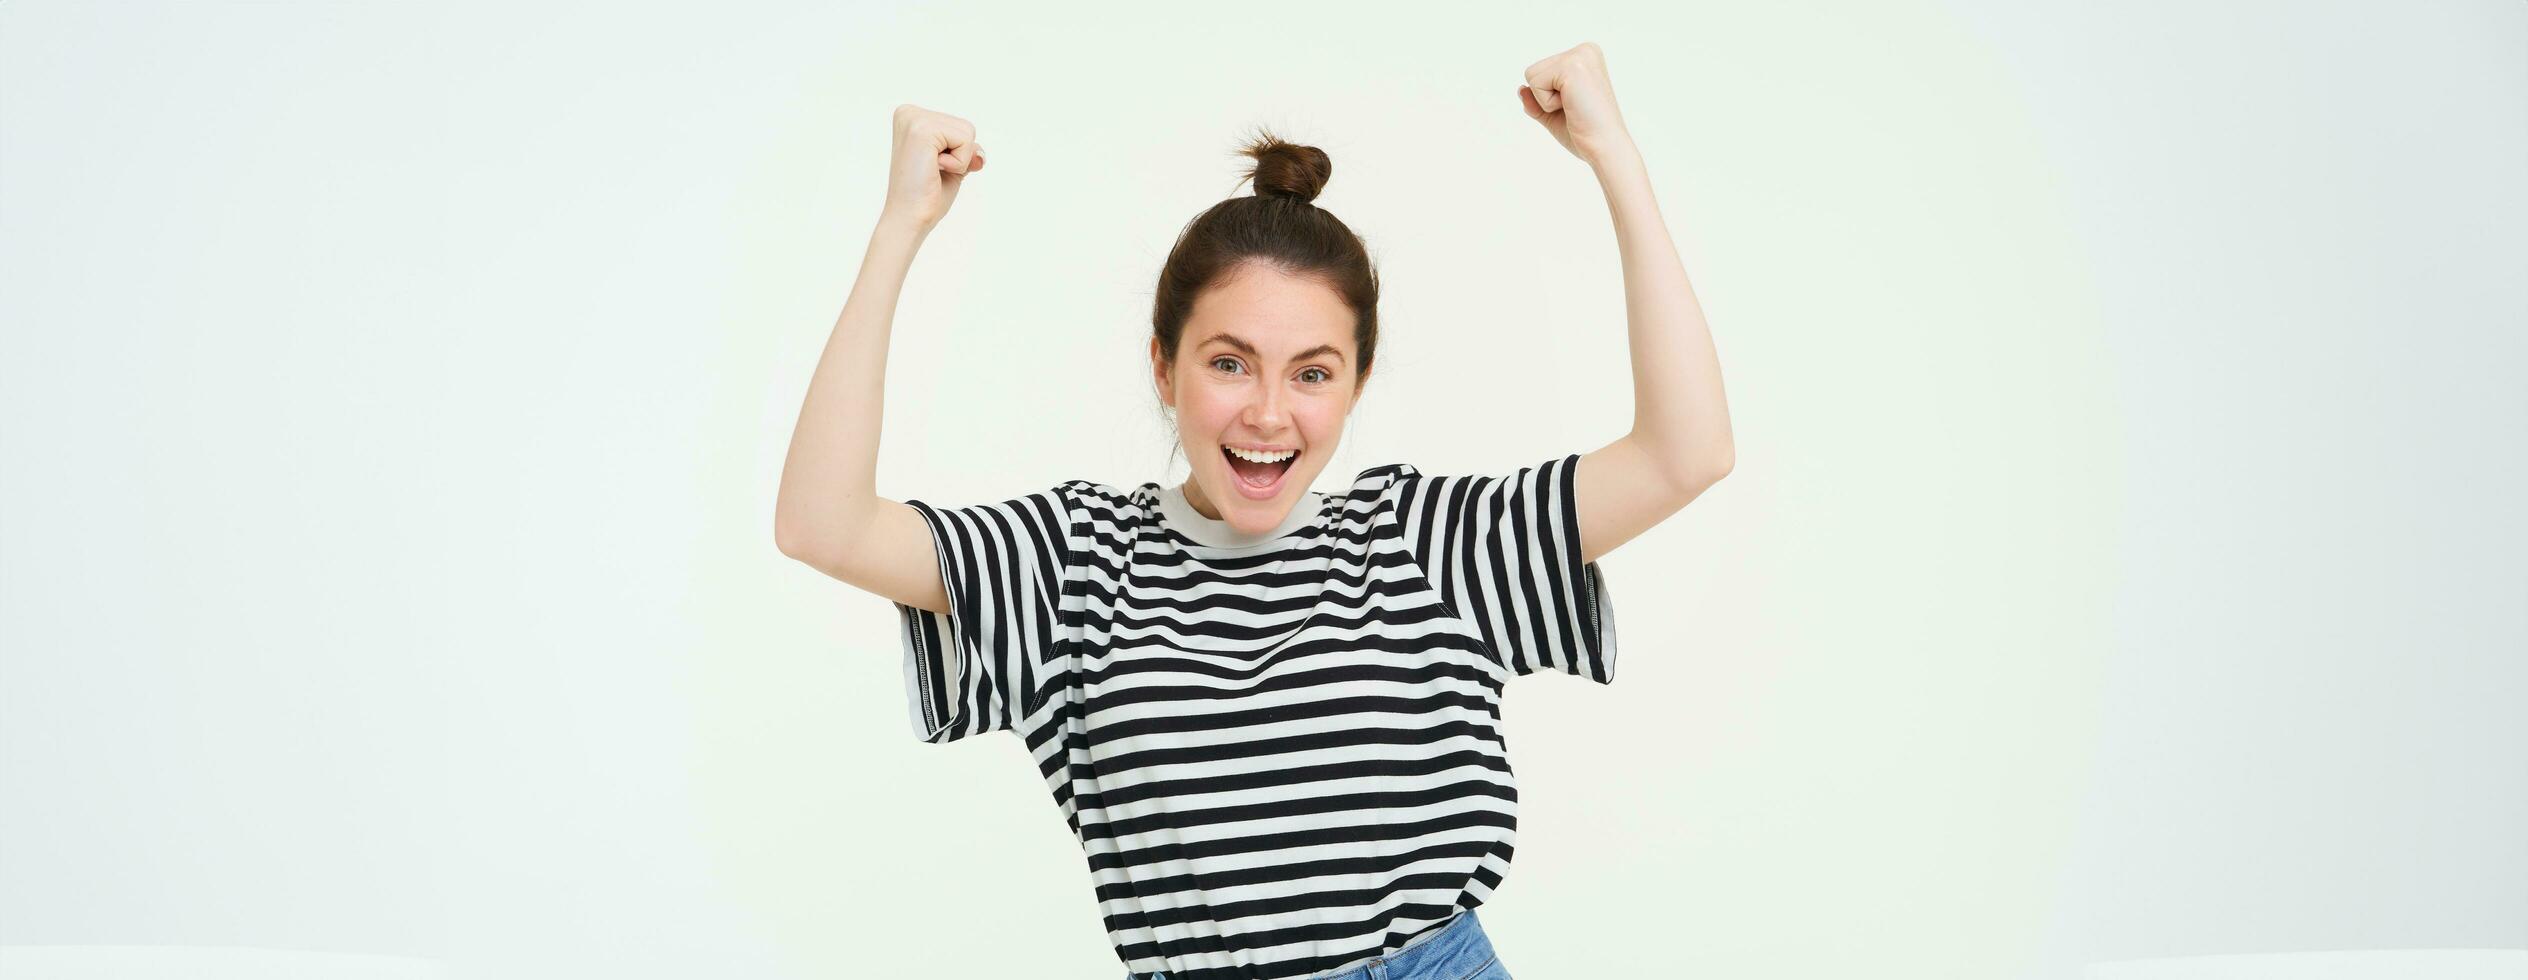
(1180, 515)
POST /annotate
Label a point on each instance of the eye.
(1224, 359)
(1328, 376)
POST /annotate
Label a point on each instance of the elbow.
(822, 538)
(798, 533)
(794, 541)
(1701, 471)
(1689, 464)
(822, 548)
(784, 536)
(808, 551)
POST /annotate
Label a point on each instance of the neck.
(1181, 508)
(1202, 505)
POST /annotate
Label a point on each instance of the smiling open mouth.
(1258, 475)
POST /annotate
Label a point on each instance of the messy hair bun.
(1285, 169)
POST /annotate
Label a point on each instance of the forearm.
(1679, 411)
(829, 480)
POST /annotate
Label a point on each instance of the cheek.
(1322, 419)
(1204, 414)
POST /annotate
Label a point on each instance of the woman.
(1270, 715)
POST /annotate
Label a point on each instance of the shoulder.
(1104, 511)
(1103, 496)
(1383, 483)
(1383, 476)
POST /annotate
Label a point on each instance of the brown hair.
(1280, 224)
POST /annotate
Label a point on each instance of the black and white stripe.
(1283, 759)
(1505, 550)
(1001, 564)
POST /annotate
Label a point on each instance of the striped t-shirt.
(1282, 754)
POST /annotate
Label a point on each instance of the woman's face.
(1265, 365)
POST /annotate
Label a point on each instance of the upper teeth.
(1256, 457)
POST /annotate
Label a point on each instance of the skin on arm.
(1680, 442)
(829, 514)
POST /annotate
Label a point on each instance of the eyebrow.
(1250, 351)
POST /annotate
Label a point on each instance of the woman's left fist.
(1570, 95)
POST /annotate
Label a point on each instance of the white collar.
(1181, 515)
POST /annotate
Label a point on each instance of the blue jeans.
(1458, 951)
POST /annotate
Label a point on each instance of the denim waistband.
(1450, 952)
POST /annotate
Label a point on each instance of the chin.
(1234, 506)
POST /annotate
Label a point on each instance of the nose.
(1265, 412)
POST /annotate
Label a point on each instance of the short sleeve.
(984, 665)
(1504, 551)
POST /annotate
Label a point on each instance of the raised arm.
(1680, 443)
(829, 515)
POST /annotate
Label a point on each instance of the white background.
(2123, 557)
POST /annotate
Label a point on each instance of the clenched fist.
(933, 154)
(1570, 96)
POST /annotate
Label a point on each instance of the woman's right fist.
(933, 154)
